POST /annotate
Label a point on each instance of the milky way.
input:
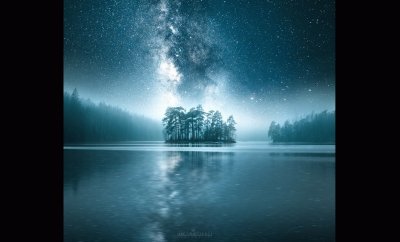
(185, 52)
(258, 60)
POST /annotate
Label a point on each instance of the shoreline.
(199, 142)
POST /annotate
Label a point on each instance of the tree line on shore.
(85, 121)
(315, 128)
(196, 125)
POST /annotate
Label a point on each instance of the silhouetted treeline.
(316, 128)
(85, 121)
(197, 126)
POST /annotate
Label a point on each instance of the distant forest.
(314, 128)
(196, 125)
(85, 121)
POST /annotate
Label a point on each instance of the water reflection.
(84, 164)
(124, 195)
(182, 182)
(200, 145)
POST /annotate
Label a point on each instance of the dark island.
(314, 128)
(197, 126)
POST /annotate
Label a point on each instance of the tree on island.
(196, 125)
(315, 128)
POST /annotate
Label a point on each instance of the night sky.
(258, 60)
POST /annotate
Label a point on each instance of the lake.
(151, 191)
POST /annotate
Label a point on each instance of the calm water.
(149, 191)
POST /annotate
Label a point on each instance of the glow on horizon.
(173, 55)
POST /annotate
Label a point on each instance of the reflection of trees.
(157, 193)
(188, 186)
(200, 145)
(82, 164)
(76, 165)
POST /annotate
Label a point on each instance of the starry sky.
(259, 60)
